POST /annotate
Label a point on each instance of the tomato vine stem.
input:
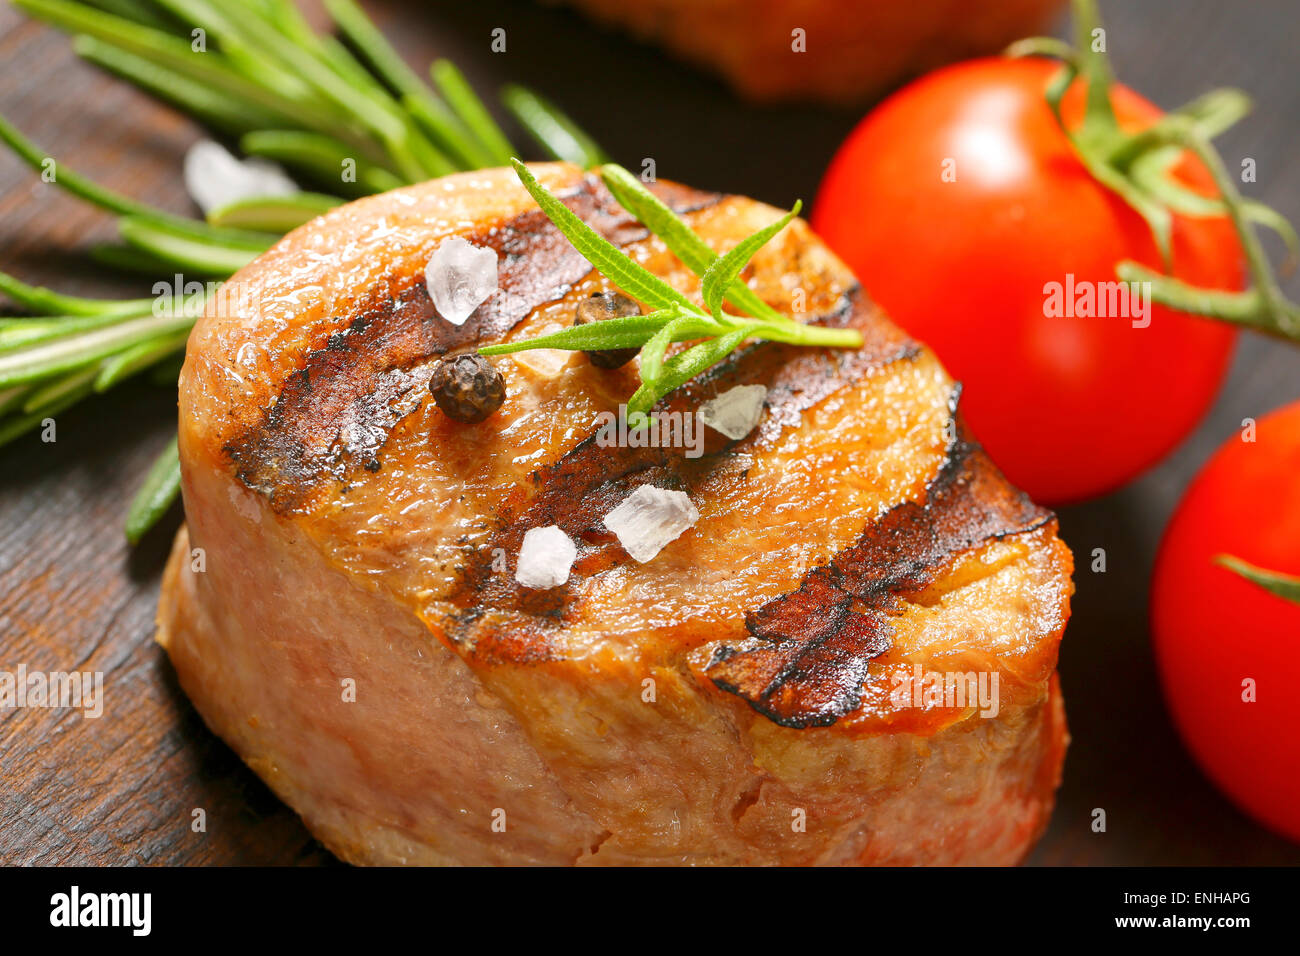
(1284, 586)
(1137, 167)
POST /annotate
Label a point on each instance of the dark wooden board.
(122, 789)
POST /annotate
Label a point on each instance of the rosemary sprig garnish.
(263, 75)
(277, 214)
(160, 488)
(674, 318)
(554, 132)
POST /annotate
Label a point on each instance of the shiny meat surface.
(693, 708)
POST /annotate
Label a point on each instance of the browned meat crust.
(682, 710)
(810, 649)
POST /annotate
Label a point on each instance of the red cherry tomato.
(1214, 630)
(956, 202)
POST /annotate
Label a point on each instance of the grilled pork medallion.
(849, 658)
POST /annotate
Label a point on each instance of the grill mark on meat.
(807, 655)
(587, 483)
(808, 652)
(336, 412)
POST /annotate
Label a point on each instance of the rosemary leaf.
(324, 157)
(129, 259)
(48, 302)
(652, 353)
(123, 365)
(11, 398)
(273, 213)
(632, 278)
(723, 272)
(447, 132)
(318, 74)
(184, 252)
(24, 333)
(553, 130)
(432, 160)
(722, 333)
(211, 69)
(362, 34)
(267, 74)
(70, 352)
(416, 155)
(138, 11)
(21, 424)
(69, 180)
(288, 19)
(677, 235)
(78, 185)
(241, 38)
(628, 332)
(161, 487)
(679, 370)
(349, 68)
(166, 372)
(222, 111)
(53, 394)
(466, 105)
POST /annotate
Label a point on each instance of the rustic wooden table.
(121, 789)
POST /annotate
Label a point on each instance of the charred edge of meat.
(808, 651)
(577, 491)
(336, 412)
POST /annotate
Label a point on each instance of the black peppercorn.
(467, 388)
(606, 305)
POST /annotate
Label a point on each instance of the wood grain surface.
(122, 789)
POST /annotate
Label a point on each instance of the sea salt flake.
(547, 363)
(649, 518)
(736, 411)
(545, 558)
(215, 177)
(460, 277)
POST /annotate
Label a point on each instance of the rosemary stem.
(161, 487)
(814, 335)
